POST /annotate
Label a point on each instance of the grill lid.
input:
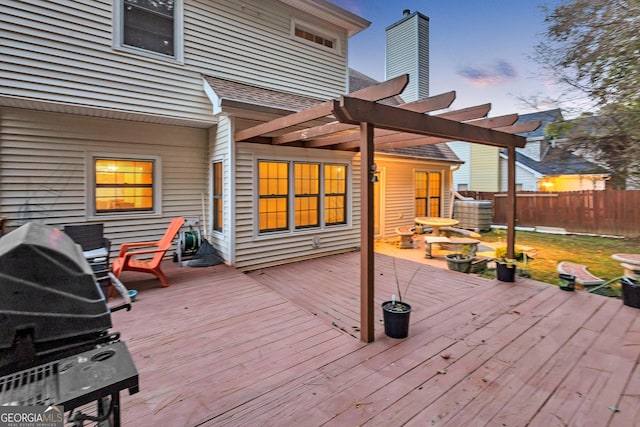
(47, 287)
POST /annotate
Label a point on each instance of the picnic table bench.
(582, 275)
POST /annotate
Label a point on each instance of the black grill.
(55, 348)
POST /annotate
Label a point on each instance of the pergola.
(358, 122)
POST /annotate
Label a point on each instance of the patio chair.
(95, 248)
(126, 260)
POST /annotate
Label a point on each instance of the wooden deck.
(279, 347)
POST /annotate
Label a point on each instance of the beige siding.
(407, 47)
(220, 149)
(484, 164)
(254, 250)
(525, 178)
(462, 176)
(45, 159)
(398, 189)
(62, 51)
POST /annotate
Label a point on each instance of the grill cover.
(47, 287)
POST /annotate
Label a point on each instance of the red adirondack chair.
(125, 260)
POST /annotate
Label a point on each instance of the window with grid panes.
(273, 196)
(428, 193)
(123, 185)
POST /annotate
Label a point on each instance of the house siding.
(485, 161)
(45, 161)
(399, 208)
(255, 251)
(462, 175)
(220, 149)
(524, 178)
(407, 45)
(62, 52)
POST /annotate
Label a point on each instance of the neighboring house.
(106, 120)
(542, 165)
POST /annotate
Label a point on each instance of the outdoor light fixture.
(374, 173)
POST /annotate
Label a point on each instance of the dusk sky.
(480, 49)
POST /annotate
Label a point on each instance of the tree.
(593, 48)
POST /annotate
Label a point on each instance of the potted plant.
(396, 313)
(506, 269)
(460, 261)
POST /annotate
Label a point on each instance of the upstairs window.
(311, 35)
(315, 38)
(153, 26)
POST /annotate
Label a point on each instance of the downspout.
(452, 190)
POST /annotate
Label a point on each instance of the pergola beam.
(403, 140)
(433, 103)
(352, 110)
(350, 141)
(377, 92)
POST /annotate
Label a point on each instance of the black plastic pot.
(630, 292)
(505, 272)
(396, 319)
(567, 282)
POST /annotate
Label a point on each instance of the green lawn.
(550, 249)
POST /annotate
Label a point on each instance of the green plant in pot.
(505, 267)
(396, 313)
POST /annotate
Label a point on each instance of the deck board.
(280, 346)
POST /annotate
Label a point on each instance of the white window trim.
(90, 190)
(178, 34)
(337, 44)
(258, 235)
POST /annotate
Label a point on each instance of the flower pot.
(630, 292)
(567, 282)
(505, 272)
(455, 263)
(396, 319)
(479, 265)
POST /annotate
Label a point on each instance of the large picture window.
(124, 185)
(154, 26)
(307, 195)
(428, 196)
(217, 196)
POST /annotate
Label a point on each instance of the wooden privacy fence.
(608, 212)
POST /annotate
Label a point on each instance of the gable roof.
(560, 161)
(544, 117)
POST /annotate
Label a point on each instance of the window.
(124, 185)
(428, 193)
(273, 184)
(335, 187)
(217, 196)
(307, 195)
(150, 25)
(308, 35)
(313, 36)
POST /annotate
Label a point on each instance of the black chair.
(95, 248)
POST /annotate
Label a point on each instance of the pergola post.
(511, 201)
(367, 280)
